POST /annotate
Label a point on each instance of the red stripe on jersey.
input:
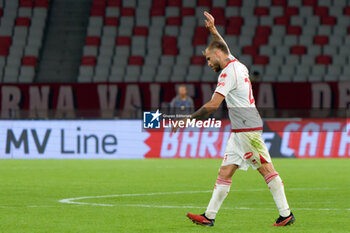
(246, 130)
(230, 62)
(220, 94)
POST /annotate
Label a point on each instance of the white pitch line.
(75, 201)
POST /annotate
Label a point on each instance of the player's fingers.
(210, 17)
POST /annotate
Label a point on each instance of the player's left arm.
(207, 109)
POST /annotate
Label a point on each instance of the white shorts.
(246, 149)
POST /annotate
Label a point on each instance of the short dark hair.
(218, 45)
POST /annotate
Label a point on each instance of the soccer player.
(245, 146)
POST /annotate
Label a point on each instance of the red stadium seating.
(347, 10)
(99, 4)
(4, 51)
(29, 61)
(309, 2)
(92, 40)
(204, 3)
(236, 21)
(111, 21)
(159, 4)
(237, 3)
(124, 40)
(5, 41)
(97, 12)
(282, 20)
(260, 40)
(198, 60)
(114, 3)
(321, 11)
(170, 51)
(200, 36)
(279, 2)
(140, 31)
(177, 3)
(219, 15)
(298, 50)
(187, 11)
(23, 21)
(127, 11)
(26, 3)
(290, 11)
(250, 50)
(323, 60)
(329, 20)
(236, 31)
(261, 11)
(88, 61)
(157, 12)
(135, 60)
(174, 21)
(294, 30)
(169, 45)
(263, 31)
(321, 40)
(261, 60)
(42, 3)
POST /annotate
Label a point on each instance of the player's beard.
(216, 67)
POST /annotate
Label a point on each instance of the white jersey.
(234, 84)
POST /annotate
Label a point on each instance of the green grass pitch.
(318, 192)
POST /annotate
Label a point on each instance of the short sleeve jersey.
(235, 86)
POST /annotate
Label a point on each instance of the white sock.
(222, 188)
(276, 187)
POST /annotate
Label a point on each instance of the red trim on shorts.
(262, 160)
(230, 62)
(220, 94)
(246, 130)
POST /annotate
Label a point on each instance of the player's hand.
(174, 128)
(210, 21)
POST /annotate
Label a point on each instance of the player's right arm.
(210, 25)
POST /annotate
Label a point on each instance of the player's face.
(212, 60)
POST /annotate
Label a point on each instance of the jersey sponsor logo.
(151, 120)
(221, 84)
(223, 75)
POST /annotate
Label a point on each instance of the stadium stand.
(163, 40)
(21, 34)
(299, 40)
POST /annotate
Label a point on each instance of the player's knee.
(266, 168)
(226, 172)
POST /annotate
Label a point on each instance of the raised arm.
(210, 25)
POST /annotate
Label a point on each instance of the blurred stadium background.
(114, 59)
(77, 75)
